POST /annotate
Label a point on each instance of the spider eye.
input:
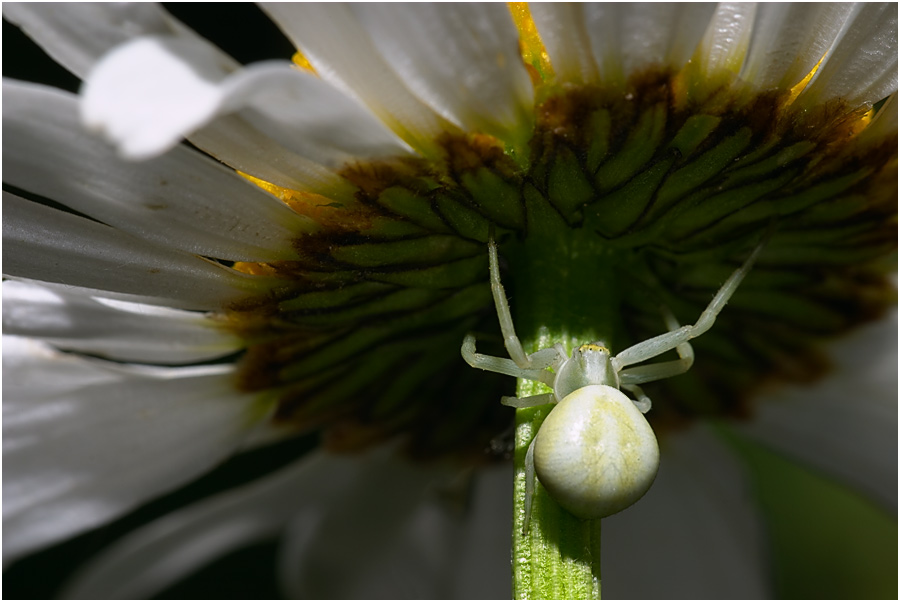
(594, 347)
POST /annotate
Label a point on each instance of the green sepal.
(694, 131)
(437, 248)
(567, 184)
(464, 220)
(599, 127)
(412, 206)
(638, 149)
(329, 299)
(495, 198)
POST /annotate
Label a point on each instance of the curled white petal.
(150, 93)
(128, 96)
(181, 200)
(85, 441)
(78, 35)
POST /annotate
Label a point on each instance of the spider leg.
(671, 340)
(661, 370)
(642, 402)
(528, 402)
(551, 357)
(510, 340)
(503, 365)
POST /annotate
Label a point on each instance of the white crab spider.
(595, 453)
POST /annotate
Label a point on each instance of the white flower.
(122, 328)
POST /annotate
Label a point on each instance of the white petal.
(862, 67)
(307, 115)
(409, 543)
(789, 39)
(182, 200)
(461, 59)
(239, 144)
(682, 34)
(608, 42)
(149, 559)
(77, 34)
(696, 531)
(45, 244)
(563, 31)
(83, 441)
(419, 547)
(483, 570)
(727, 37)
(399, 546)
(626, 38)
(845, 424)
(122, 331)
(128, 95)
(150, 93)
(337, 45)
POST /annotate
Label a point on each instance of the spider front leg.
(672, 340)
(528, 402)
(522, 365)
(661, 370)
(542, 360)
(510, 339)
(642, 403)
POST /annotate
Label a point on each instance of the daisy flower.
(205, 258)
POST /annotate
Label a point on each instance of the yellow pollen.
(535, 56)
(254, 269)
(855, 126)
(795, 91)
(295, 199)
(267, 186)
(327, 212)
(302, 62)
(866, 118)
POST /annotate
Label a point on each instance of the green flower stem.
(558, 294)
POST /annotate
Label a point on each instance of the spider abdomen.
(595, 452)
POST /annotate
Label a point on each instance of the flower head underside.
(318, 251)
